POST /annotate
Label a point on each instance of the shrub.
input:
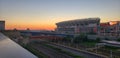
(81, 38)
(98, 39)
(118, 39)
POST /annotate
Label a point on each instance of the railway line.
(51, 53)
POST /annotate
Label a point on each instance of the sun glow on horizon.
(44, 14)
(31, 28)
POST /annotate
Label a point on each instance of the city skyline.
(43, 14)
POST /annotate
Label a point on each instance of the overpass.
(44, 35)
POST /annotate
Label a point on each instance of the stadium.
(77, 26)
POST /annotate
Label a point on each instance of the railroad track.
(51, 53)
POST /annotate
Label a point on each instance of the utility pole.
(111, 54)
(96, 48)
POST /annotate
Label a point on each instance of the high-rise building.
(2, 25)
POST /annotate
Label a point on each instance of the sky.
(43, 14)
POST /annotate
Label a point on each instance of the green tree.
(67, 39)
(118, 39)
(98, 39)
(80, 38)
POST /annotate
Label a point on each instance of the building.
(10, 49)
(111, 28)
(2, 25)
(75, 27)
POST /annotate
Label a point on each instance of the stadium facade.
(74, 27)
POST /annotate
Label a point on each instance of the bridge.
(44, 35)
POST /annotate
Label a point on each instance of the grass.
(89, 43)
(111, 48)
(34, 51)
(62, 51)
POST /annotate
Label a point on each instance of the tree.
(98, 39)
(80, 38)
(118, 39)
(67, 39)
(106, 39)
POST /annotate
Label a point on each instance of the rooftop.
(10, 49)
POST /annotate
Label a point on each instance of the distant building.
(2, 25)
(87, 25)
(111, 28)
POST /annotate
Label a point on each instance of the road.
(51, 53)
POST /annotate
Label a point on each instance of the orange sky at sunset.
(40, 25)
(44, 14)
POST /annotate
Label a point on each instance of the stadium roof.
(81, 21)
